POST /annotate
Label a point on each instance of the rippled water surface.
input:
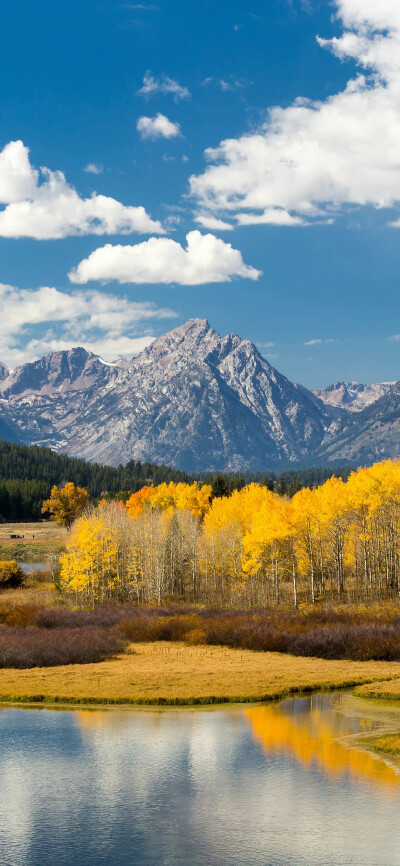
(273, 785)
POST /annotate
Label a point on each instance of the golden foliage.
(185, 497)
(172, 542)
(66, 503)
(11, 574)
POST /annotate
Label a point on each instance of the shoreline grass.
(385, 744)
(160, 674)
(380, 690)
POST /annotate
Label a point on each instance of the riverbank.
(174, 674)
(388, 691)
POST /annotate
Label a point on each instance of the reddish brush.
(29, 648)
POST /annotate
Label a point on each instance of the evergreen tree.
(219, 488)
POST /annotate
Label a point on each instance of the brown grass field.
(39, 540)
(170, 673)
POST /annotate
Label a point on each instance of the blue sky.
(303, 179)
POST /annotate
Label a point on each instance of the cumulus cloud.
(165, 85)
(157, 127)
(37, 321)
(206, 259)
(313, 159)
(41, 204)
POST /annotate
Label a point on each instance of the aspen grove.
(339, 542)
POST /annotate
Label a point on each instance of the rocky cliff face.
(193, 399)
(352, 396)
(4, 372)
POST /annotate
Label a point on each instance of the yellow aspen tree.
(66, 503)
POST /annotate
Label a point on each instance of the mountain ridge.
(192, 399)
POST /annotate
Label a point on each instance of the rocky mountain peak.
(198, 401)
(69, 370)
(352, 396)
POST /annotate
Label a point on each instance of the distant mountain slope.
(352, 396)
(196, 401)
(367, 436)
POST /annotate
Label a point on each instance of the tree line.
(187, 542)
(28, 472)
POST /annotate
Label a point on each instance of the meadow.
(39, 541)
(174, 674)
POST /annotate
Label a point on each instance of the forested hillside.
(28, 472)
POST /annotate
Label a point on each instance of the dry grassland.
(169, 673)
(385, 690)
(39, 539)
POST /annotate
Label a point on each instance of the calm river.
(271, 785)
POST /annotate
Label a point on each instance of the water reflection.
(308, 729)
(262, 786)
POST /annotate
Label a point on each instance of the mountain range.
(196, 401)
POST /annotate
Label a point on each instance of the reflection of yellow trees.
(310, 739)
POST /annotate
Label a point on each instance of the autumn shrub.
(11, 574)
(364, 642)
(42, 575)
(196, 637)
(357, 634)
(64, 617)
(148, 626)
(18, 615)
(30, 647)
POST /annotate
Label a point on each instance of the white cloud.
(319, 342)
(93, 168)
(41, 204)
(38, 321)
(206, 259)
(225, 84)
(315, 158)
(163, 85)
(157, 127)
(271, 216)
(208, 221)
